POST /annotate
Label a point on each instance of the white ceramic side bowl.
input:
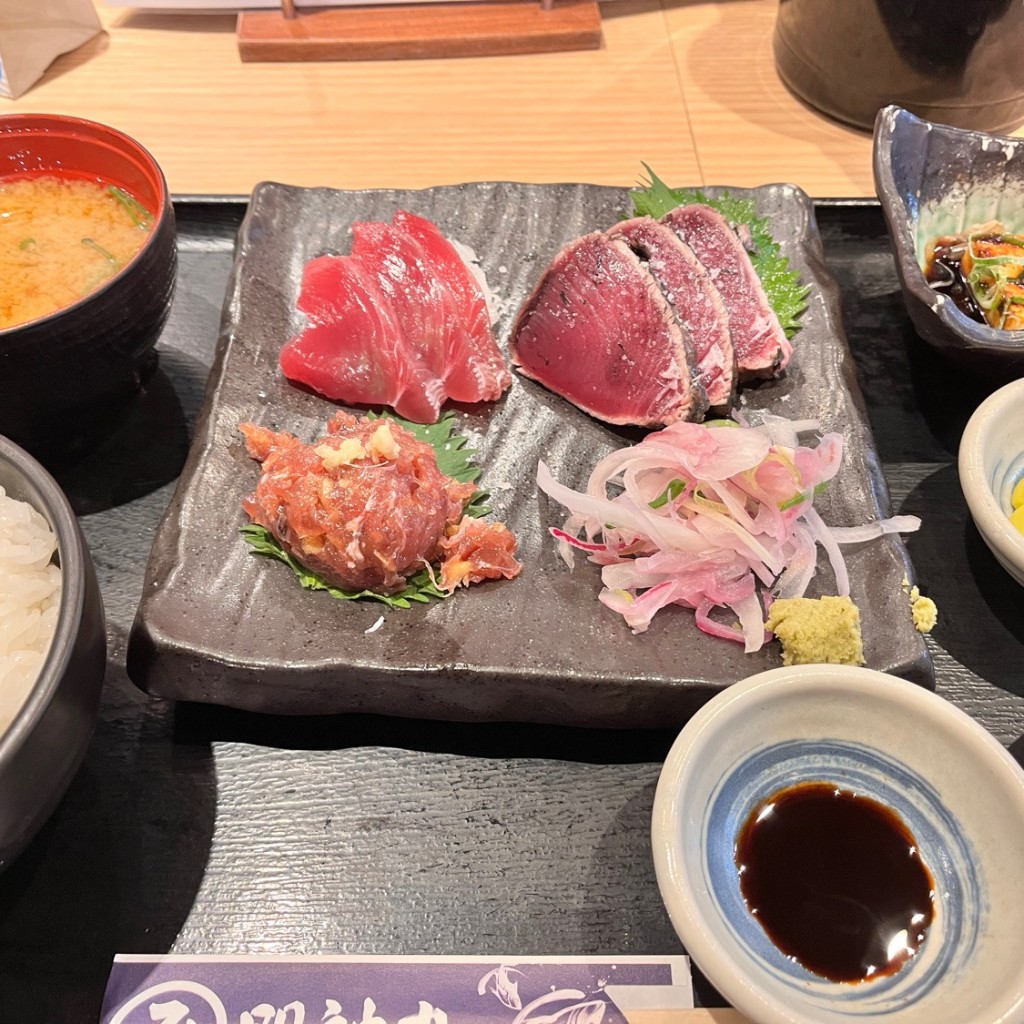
(991, 462)
(957, 789)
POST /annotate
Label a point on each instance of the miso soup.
(60, 239)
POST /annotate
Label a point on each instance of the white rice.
(29, 601)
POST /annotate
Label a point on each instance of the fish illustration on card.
(391, 990)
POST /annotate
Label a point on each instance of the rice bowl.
(49, 706)
(30, 588)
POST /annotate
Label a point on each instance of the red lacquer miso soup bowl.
(87, 269)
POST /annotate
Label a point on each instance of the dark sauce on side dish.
(836, 881)
(945, 274)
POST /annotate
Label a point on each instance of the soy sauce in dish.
(944, 272)
(836, 881)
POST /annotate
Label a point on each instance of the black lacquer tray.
(198, 829)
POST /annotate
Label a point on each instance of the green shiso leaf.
(454, 459)
(262, 542)
(787, 296)
(655, 199)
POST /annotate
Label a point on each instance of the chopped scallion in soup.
(60, 239)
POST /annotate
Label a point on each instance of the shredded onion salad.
(702, 514)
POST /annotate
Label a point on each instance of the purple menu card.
(391, 989)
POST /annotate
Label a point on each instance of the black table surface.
(196, 829)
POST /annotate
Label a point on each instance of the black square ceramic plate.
(219, 624)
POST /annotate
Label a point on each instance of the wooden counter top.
(662, 89)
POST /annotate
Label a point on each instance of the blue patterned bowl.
(991, 462)
(934, 180)
(955, 787)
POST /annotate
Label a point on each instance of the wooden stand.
(403, 31)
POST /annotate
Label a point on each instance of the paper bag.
(33, 34)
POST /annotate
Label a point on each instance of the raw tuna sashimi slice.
(353, 349)
(598, 331)
(696, 301)
(758, 339)
(422, 303)
(431, 313)
(475, 370)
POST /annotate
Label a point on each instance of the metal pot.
(950, 61)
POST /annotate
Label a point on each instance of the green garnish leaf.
(797, 499)
(26, 243)
(141, 217)
(654, 199)
(96, 247)
(671, 492)
(262, 542)
(786, 295)
(454, 459)
(802, 497)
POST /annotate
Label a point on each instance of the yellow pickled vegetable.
(1017, 501)
(1017, 497)
(1017, 518)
